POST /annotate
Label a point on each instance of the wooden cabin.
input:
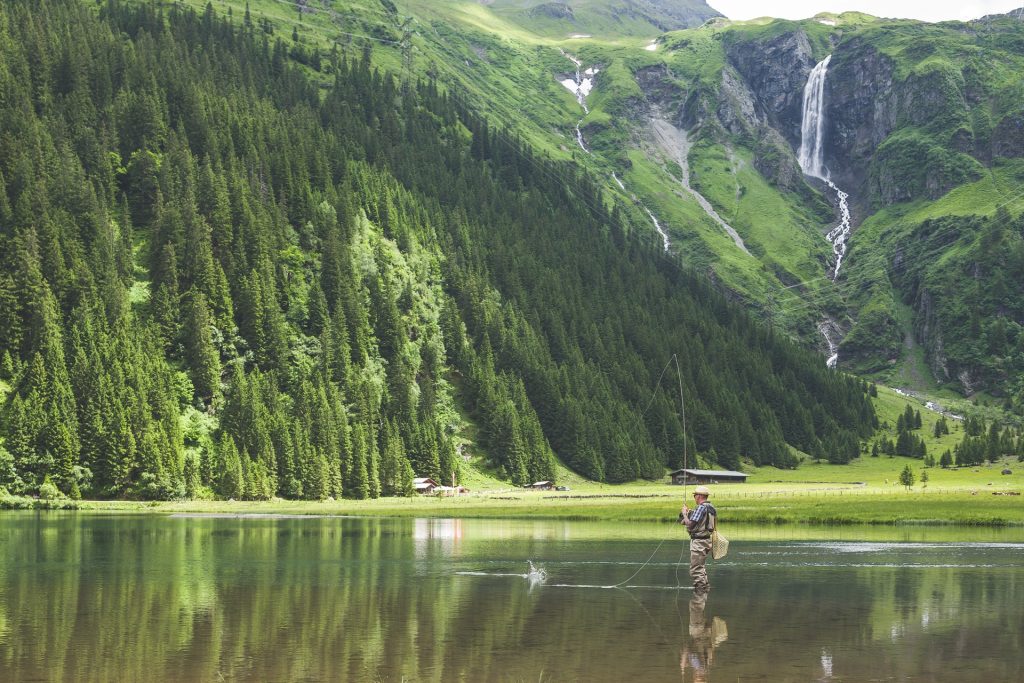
(689, 477)
(424, 485)
(542, 485)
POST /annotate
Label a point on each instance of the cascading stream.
(812, 161)
(812, 155)
(580, 86)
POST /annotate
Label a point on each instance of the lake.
(90, 597)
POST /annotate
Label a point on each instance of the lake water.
(86, 597)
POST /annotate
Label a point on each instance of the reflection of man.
(700, 522)
(698, 652)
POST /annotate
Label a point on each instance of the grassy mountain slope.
(564, 18)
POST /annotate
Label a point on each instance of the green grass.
(592, 17)
(1000, 186)
(764, 504)
(863, 492)
(769, 221)
(701, 240)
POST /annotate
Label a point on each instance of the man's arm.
(696, 516)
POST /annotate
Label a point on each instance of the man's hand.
(686, 510)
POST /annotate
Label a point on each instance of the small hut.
(687, 476)
(542, 485)
(424, 485)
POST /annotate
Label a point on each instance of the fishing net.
(719, 545)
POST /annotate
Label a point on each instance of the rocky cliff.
(775, 70)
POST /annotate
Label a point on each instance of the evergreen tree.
(907, 477)
(946, 460)
(230, 481)
(202, 357)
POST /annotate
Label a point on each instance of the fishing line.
(623, 583)
(682, 404)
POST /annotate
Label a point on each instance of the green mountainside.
(237, 263)
(923, 130)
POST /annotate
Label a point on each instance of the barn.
(690, 476)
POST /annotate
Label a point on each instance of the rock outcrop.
(553, 10)
(776, 70)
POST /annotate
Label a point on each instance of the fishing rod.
(643, 413)
(682, 408)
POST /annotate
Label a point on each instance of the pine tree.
(231, 479)
(357, 483)
(396, 473)
(946, 460)
(907, 477)
(202, 356)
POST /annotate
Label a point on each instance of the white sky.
(926, 10)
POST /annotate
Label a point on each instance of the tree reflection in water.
(151, 598)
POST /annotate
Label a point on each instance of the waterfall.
(812, 161)
(812, 156)
(812, 143)
(661, 231)
(580, 86)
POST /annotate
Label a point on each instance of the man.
(700, 522)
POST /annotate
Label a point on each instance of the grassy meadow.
(864, 492)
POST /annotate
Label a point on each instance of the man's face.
(699, 498)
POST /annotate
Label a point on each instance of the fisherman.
(700, 522)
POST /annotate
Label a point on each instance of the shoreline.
(871, 508)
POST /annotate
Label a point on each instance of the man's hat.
(702, 490)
